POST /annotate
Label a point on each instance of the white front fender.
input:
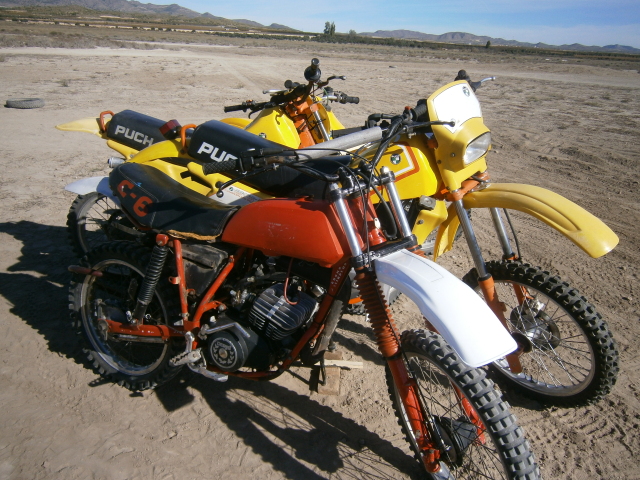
(92, 184)
(454, 309)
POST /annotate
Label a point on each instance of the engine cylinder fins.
(382, 322)
(275, 318)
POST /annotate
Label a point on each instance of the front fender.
(581, 227)
(456, 311)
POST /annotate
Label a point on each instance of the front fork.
(387, 335)
(485, 280)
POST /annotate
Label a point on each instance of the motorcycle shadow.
(297, 435)
(36, 285)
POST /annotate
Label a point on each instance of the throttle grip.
(348, 99)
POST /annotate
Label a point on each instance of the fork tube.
(320, 125)
(485, 280)
(469, 234)
(507, 251)
(345, 219)
(388, 179)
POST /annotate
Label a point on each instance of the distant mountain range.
(253, 24)
(133, 6)
(470, 39)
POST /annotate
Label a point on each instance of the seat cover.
(135, 130)
(157, 201)
(217, 141)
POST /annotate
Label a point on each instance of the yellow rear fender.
(581, 227)
(86, 125)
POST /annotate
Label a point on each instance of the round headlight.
(477, 148)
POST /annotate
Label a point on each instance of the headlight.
(477, 148)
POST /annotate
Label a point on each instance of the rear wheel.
(95, 219)
(136, 365)
(573, 359)
(490, 446)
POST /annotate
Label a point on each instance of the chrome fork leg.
(470, 236)
(507, 251)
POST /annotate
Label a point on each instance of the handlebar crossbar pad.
(135, 130)
(223, 145)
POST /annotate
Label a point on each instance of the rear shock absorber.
(151, 277)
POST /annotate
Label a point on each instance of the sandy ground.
(567, 127)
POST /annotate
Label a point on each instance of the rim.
(481, 459)
(95, 224)
(561, 361)
(132, 358)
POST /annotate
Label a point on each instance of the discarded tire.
(24, 103)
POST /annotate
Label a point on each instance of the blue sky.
(589, 22)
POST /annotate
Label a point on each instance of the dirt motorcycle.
(566, 354)
(297, 116)
(246, 291)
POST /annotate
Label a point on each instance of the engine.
(265, 329)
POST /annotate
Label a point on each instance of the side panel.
(307, 230)
(456, 311)
(581, 227)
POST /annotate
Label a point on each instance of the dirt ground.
(571, 128)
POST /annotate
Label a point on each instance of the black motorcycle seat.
(159, 202)
(134, 129)
(216, 141)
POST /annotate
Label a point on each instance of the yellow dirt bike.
(566, 355)
(297, 116)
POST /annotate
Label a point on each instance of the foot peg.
(186, 357)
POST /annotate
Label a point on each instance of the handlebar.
(462, 75)
(248, 105)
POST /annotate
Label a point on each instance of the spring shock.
(380, 317)
(151, 277)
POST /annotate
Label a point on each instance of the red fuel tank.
(304, 229)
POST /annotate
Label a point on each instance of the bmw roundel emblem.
(466, 91)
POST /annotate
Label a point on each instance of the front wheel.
(572, 359)
(480, 437)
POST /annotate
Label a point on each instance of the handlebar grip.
(220, 167)
(420, 109)
(348, 99)
(233, 108)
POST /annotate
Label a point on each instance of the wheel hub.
(536, 325)
(456, 436)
